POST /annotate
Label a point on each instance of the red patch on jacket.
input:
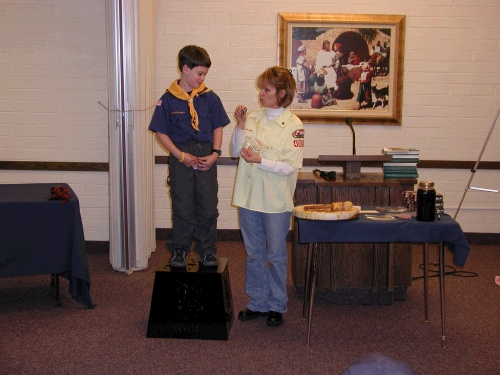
(298, 143)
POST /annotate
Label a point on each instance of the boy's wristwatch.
(219, 152)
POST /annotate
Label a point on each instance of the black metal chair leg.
(54, 285)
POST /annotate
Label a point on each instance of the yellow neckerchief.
(179, 93)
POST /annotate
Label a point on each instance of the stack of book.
(403, 164)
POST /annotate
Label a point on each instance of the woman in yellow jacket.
(270, 144)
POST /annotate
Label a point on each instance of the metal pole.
(426, 282)
(308, 281)
(311, 295)
(441, 293)
(473, 170)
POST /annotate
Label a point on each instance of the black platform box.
(191, 303)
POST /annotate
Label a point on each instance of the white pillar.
(131, 78)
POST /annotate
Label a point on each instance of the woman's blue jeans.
(264, 235)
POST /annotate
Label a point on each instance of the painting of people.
(347, 61)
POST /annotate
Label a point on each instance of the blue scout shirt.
(171, 117)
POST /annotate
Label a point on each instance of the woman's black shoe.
(274, 319)
(248, 314)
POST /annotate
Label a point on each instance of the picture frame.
(368, 49)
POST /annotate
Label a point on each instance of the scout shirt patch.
(158, 104)
(298, 133)
(299, 138)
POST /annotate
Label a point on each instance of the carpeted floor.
(36, 337)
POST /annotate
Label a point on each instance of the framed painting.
(347, 67)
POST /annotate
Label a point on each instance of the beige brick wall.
(53, 72)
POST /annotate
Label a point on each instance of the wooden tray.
(300, 212)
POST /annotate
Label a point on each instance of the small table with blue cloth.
(445, 232)
(42, 236)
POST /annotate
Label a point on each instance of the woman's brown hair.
(281, 79)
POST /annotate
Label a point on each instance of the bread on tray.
(330, 207)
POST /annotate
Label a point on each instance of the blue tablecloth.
(362, 229)
(42, 236)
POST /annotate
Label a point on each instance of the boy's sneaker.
(209, 260)
(178, 258)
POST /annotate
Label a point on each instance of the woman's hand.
(249, 156)
(241, 116)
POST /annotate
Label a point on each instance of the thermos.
(426, 201)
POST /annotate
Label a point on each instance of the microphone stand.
(348, 121)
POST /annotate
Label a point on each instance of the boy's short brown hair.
(193, 56)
